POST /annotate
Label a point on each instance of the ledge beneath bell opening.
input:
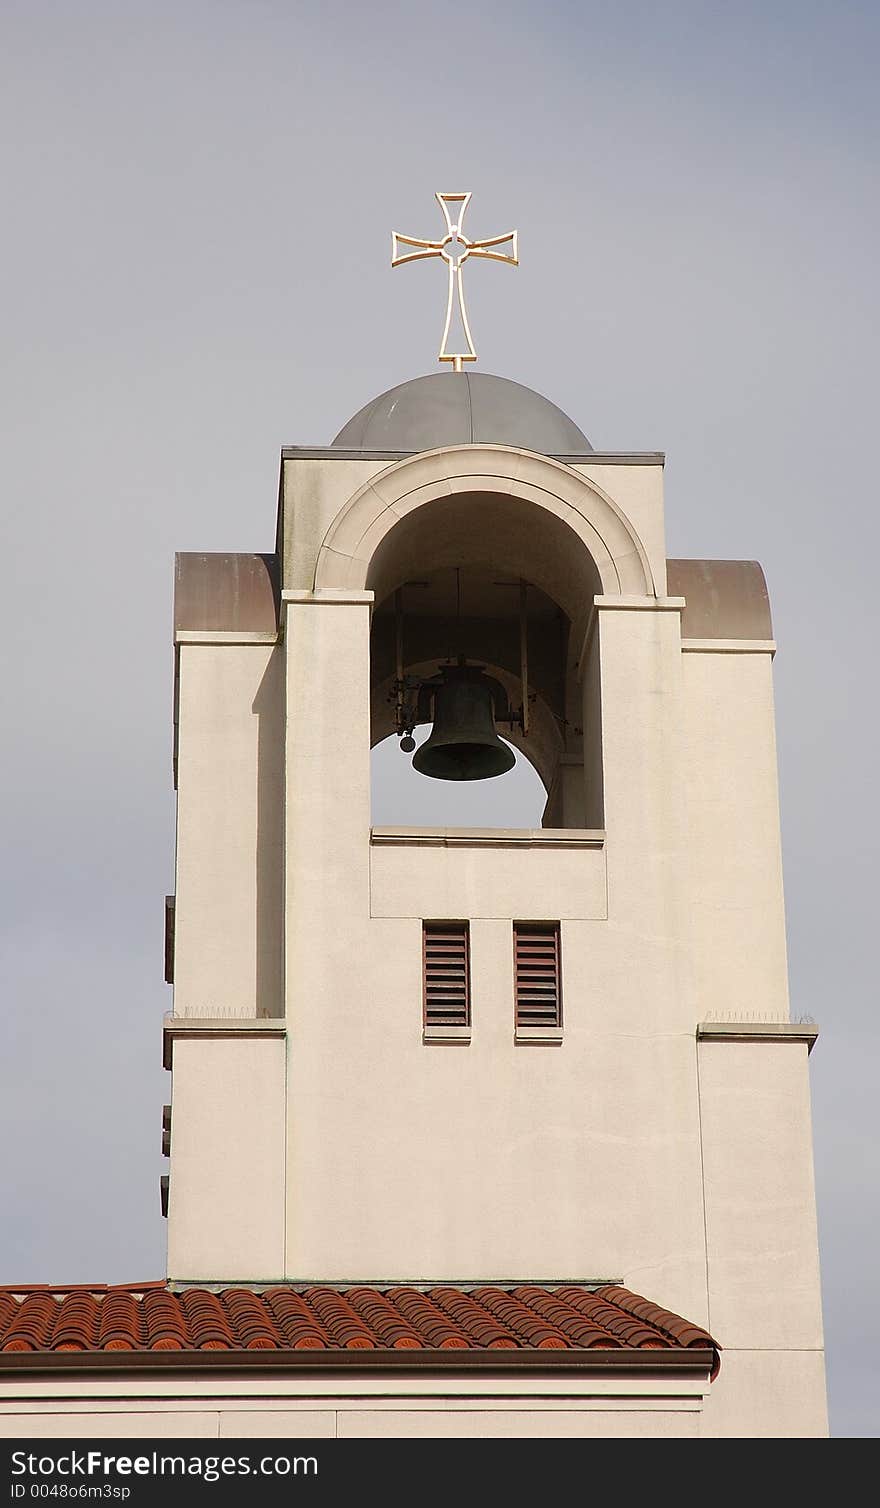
(451, 1036)
(537, 1036)
(488, 837)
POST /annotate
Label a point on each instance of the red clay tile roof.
(480, 1318)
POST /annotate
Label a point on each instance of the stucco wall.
(734, 859)
(380, 1407)
(227, 1185)
(760, 1200)
(767, 1395)
(420, 1160)
(228, 926)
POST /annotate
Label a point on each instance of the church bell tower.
(428, 1055)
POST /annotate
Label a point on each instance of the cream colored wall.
(327, 821)
(488, 877)
(645, 845)
(227, 1183)
(760, 1199)
(762, 1245)
(736, 910)
(766, 1394)
(495, 1160)
(228, 920)
(413, 1160)
(312, 493)
(759, 1395)
(327, 803)
(317, 494)
(315, 488)
(637, 491)
(450, 1406)
(529, 1421)
(762, 1250)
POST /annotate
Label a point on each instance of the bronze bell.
(463, 744)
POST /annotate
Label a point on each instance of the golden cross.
(455, 249)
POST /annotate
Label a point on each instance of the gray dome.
(462, 408)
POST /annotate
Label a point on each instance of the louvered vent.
(536, 965)
(446, 966)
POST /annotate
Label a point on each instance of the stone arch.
(597, 529)
(498, 512)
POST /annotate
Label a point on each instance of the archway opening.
(496, 583)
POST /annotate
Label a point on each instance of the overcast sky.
(197, 205)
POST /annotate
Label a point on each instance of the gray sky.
(198, 199)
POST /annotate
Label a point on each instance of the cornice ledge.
(758, 1031)
(176, 1028)
(627, 601)
(340, 595)
(729, 646)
